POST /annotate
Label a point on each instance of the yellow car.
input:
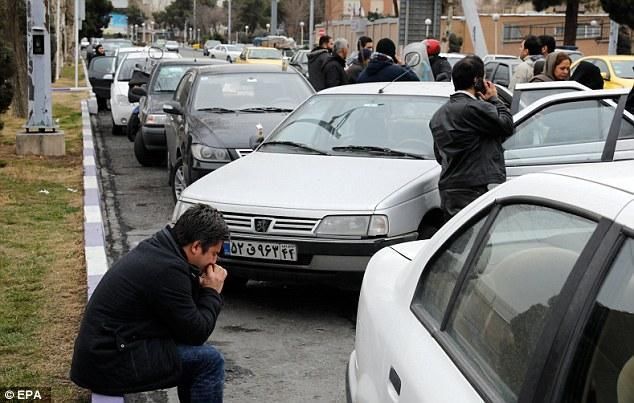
(617, 70)
(260, 55)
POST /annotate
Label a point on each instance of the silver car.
(352, 170)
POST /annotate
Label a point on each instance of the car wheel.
(143, 155)
(213, 56)
(178, 179)
(229, 59)
(116, 130)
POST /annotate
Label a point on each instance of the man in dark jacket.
(440, 67)
(334, 68)
(316, 59)
(468, 134)
(146, 323)
(383, 66)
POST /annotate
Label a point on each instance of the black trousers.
(454, 200)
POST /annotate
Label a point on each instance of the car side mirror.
(606, 76)
(173, 108)
(139, 91)
(255, 141)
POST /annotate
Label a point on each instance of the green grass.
(42, 269)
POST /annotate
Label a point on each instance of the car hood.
(156, 101)
(231, 130)
(314, 182)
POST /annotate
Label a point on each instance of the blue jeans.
(203, 374)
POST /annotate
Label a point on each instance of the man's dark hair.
(533, 45)
(200, 223)
(324, 41)
(466, 71)
(362, 41)
(549, 42)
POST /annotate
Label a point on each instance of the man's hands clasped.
(213, 277)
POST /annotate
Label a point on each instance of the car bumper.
(316, 257)
(121, 112)
(154, 137)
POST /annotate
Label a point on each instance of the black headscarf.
(589, 75)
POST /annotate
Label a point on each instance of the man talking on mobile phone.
(147, 322)
(468, 134)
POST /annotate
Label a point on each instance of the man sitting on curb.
(147, 322)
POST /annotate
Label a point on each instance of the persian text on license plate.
(261, 250)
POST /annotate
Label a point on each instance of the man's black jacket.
(468, 136)
(334, 72)
(382, 69)
(149, 301)
(316, 59)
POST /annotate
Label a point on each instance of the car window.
(623, 68)
(500, 311)
(182, 91)
(489, 68)
(603, 66)
(528, 96)
(603, 367)
(575, 129)
(127, 68)
(265, 53)
(167, 77)
(345, 123)
(441, 273)
(101, 65)
(502, 75)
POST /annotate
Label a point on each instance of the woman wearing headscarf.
(556, 68)
(589, 75)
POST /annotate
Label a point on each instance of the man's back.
(380, 69)
(316, 60)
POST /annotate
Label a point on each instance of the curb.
(94, 239)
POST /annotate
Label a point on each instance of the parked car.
(493, 57)
(259, 55)
(100, 75)
(353, 170)
(526, 295)
(172, 46)
(159, 43)
(121, 53)
(527, 93)
(573, 53)
(208, 45)
(225, 52)
(111, 45)
(149, 144)
(453, 58)
(84, 43)
(617, 70)
(217, 109)
(500, 71)
(120, 105)
(300, 61)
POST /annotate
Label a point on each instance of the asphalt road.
(281, 342)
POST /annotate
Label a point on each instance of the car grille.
(243, 152)
(278, 225)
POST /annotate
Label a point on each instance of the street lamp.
(136, 32)
(143, 26)
(197, 35)
(427, 24)
(151, 31)
(246, 31)
(495, 17)
(268, 27)
(595, 24)
(301, 30)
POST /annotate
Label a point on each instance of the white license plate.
(261, 250)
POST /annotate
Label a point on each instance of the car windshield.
(362, 126)
(167, 78)
(240, 91)
(171, 43)
(623, 68)
(265, 53)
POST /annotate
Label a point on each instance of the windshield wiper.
(297, 145)
(382, 151)
(265, 109)
(216, 110)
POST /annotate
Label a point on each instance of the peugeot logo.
(261, 224)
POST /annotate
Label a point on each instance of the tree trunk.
(17, 39)
(570, 32)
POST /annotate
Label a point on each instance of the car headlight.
(155, 119)
(355, 225)
(122, 99)
(204, 153)
(179, 209)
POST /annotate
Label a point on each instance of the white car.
(526, 295)
(172, 46)
(225, 52)
(353, 170)
(120, 107)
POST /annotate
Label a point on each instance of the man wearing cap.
(384, 67)
(440, 67)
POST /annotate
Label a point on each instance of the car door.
(502, 75)
(101, 74)
(569, 129)
(174, 123)
(489, 300)
(525, 94)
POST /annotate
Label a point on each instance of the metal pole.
(76, 26)
(58, 39)
(614, 35)
(274, 17)
(194, 18)
(311, 24)
(406, 34)
(229, 23)
(40, 116)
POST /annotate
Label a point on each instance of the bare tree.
(294, 12)
(16, 38)
(213, 17)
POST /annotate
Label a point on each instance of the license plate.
(261, 250)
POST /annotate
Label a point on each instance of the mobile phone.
(480, 86)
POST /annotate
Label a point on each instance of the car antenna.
(407, 70)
